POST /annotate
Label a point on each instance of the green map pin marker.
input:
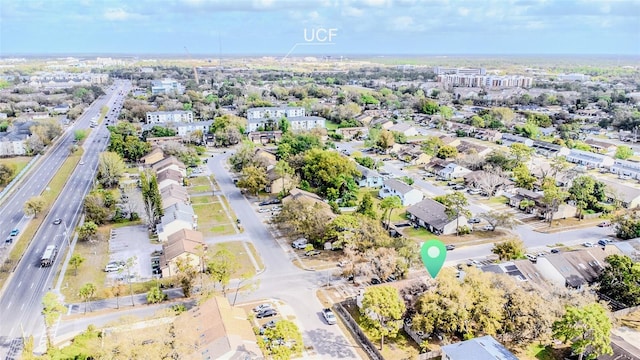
(433, 253)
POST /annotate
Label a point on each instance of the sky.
(299, 27)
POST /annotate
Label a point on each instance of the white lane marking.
(20, 283)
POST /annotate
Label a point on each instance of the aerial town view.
(320, 179)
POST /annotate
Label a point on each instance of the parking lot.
(128, 242)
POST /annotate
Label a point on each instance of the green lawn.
(419, 234)
(212, 219)
(397, 215)
(203, 199)
(331, 126)
(540, 352)
(245, 266)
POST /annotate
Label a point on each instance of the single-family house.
(488, 135)
(170, 162)
(477, 180)
(278, 184)
(407, 193)
(453, 171)
(435, 165)
(558, 271)
(467, 147)
(450, 140)
(590, 262)
(182, 245)
(601, 146)
(589, 159)
(413, 154)
(628, 196)
(368, 177)
(385, 124)
(482, 348)
(626, 168)
(266, 155)
(218, 331)
(353, 133)
(172, 194)
(508, 139)
(311, 199)
(548, 149)
(432, 215)
(526, 195)
(155, 155)
(167, 177)
(265, 137)
(175, 221)
(404, 128)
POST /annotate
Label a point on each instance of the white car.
(262, 307)
(588, 244)
(329, 316)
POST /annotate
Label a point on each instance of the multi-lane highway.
(20, 300)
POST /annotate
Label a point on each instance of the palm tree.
(75, 261)
(86, 292)
(388, 204)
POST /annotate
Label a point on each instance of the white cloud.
(120, 14)
(405, 23)
(351, 11)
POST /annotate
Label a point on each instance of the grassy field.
(212, 219)
(244, 261)
(199, 185)
(19, 162)
(55, 187)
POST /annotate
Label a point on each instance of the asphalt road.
(20, 303)
(281, 279)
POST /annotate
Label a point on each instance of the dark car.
(450, 247)
(375, 281)
(555, 251)
(57, 221)
(266, 313)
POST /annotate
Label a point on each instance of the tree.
(253, 179)
(521, 152)
(386, 139)
(222, 266)
(620, 280)
(110, 169)
(366, 206)
(387, 205)
(283, 170)
(627, 226)
(499, 219)
(186, 276)
(155, 295)
(52, 308)
(34, 205)
(86, 292)
(87, 231)
(118, 290)
(302, 219)
(75, 261)
(447, 152)
(588, 328)
(587, 193)
(523, 177)
(327, 169)
(454, 204)
(95, 208)
(151, 198)
(623, 152)
(427, 106)
(7, 171)
(509, 250)
(382, 310)
(446, 112)
(283, 341)
(553, 197)
(431, 145)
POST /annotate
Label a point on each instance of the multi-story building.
(626, 168)
(274, 112)
(306, 122)
(166, 86)
(162, 117)
(486, 81)
(438, 70)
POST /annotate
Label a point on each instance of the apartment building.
(163, 117)
(166, 86)
(275, 112)
(626, 168)
(589, 159)
(486, 81)
(439, 70)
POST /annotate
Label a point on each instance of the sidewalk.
(124, 301)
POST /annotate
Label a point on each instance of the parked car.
(312, 253)
(603, 242)
(266, 313)
(531, 258)
(588, 244)
(473, 221)
(555, 251)
(604, 224)
(450, 247)
(300, 243)
(268, 325)
(459, 187)
(262, 307)
(474, 191)
(112, 267)
(14, 232)
(488, 228)
(329, 316)
(452, 183)
(375, 281)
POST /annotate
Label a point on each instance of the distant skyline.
(274, 27)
